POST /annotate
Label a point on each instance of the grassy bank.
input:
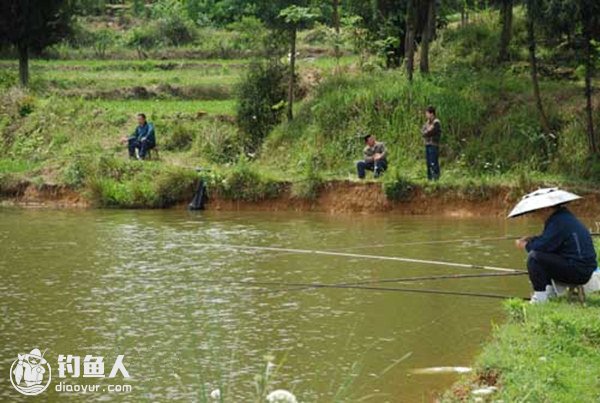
(65, 129)
(543, 353)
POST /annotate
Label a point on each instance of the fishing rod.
(442, 241)
(362, 256)
(367, 288)
(429, 278)
(415, 279)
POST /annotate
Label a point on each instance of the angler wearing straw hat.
(564, 252)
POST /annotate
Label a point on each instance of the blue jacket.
(145, 132)
(566, 236)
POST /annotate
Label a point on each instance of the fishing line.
(362, 256)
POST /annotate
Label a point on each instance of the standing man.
(142, 139)
(432, 131)
(374, 158)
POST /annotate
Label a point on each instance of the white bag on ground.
(594, 284)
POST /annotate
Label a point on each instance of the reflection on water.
(149, 284)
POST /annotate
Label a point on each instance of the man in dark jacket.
(375, 158)
(432, 132)
(564, 252)
(142, 139)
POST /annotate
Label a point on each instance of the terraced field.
(78, 110)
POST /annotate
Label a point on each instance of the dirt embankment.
(356, 197)
(45, 195)
(334, 197)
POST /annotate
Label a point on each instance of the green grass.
(11, 166)
(545, 353)
(78, 109)
(165, 108)
(490, 127)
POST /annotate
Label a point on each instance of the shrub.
(75, 172)
(26, 105)
(181, 138)
(173, 185)
(148, 188)
(244, 183)
(218, 142)
(249, 34)
(102, 40)
(397, 188)
(142, 39)
(107, 192)
(308, 186)
(261, 96)
(172, 22)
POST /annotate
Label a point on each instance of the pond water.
(166, 289)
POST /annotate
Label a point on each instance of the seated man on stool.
(142, 139)
(564, 252)
(374, 158)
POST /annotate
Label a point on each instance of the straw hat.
(542, 198)
(36, 353)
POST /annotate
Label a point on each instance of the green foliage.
(8, 78)
(102, 40)
(249, 33)
(75, 172)
(398, 188)
(308, 185)
(173, 185)
(180, 138)
(26, 105)
(136, 184)
(218, 142)
(295, 16)
(475, 45)
(243, 182)
(143, 39)
(35, 24)
(516, 310)
(489, 127)
(172, 22)
(261, 95)
(542, 352)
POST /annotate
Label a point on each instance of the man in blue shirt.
(142, 139)
(564, 252)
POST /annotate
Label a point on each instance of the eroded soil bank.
(334, 197)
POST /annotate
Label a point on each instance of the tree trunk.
(336, 16)
(290, 113)
(428, 34)
(534, 70)
(464, 15)
(409, 44)
(336, 27)
(23, 65)
(589, 71)
(506, 15)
